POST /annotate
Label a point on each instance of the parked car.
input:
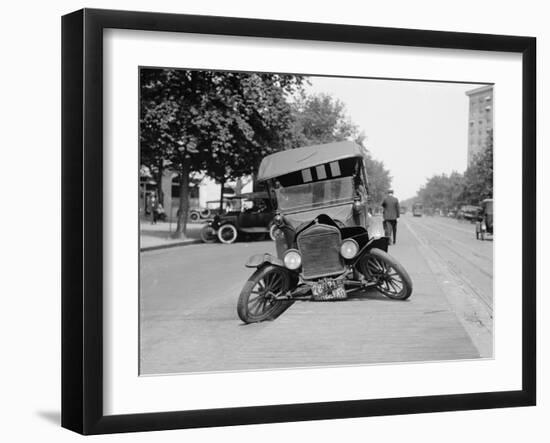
(254, 218)
(211, 209)
(484, 224)
(324, 244)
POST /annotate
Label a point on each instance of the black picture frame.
(82, 218)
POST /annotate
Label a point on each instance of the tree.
(379, 179)
(321, 118)
(455, 190)
(442, 191)
(479, 175)
(158, 113)
(221, 123)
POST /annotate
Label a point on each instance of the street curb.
(170, 245)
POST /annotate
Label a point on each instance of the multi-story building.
(480, 123)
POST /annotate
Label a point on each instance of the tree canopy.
(220, 123)
(320, 118)
(223, 124)
(452, 191)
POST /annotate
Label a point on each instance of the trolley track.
(456, 256)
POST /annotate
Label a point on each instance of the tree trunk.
(181, 229)
(255, 187)
(158, 179)
(222, 182)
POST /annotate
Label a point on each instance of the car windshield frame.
(328, 193)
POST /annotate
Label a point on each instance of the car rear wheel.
(390, 277)
(257, 299)
(227, 234)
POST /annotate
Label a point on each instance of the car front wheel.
(390, 277)
(208, 234)
(258, 299)
(227, 234)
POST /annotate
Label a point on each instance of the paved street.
(189, 323)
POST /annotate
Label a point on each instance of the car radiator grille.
(320, 249)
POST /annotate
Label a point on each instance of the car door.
(248, 218)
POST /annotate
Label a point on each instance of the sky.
(418, 129)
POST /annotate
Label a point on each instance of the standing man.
(391, 214)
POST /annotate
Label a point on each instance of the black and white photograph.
(303, 221)
(275, 221)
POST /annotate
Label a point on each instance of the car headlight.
(292, 259)
(349, 249)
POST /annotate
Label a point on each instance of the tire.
(227, 234)
(253, 305)
(194, 216)
(209, 234)
(205, 213)
(392, 279)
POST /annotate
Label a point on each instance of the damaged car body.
(325, 249)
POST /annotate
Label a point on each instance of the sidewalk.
(159, 236)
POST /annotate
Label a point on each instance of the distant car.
(417, 210)
(255, 217)
(403, 209)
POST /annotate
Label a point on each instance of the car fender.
(258, 260)
(375, 242)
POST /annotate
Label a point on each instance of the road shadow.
(371, 294)
(53, 417)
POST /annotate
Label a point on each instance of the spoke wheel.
(256, 301)
(194, 216)
(390, 277)
(208, 234)
(205, 213)
(227, 234)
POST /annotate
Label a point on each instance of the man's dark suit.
(391, 214)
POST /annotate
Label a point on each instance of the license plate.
(339, 293)
(329, 290)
